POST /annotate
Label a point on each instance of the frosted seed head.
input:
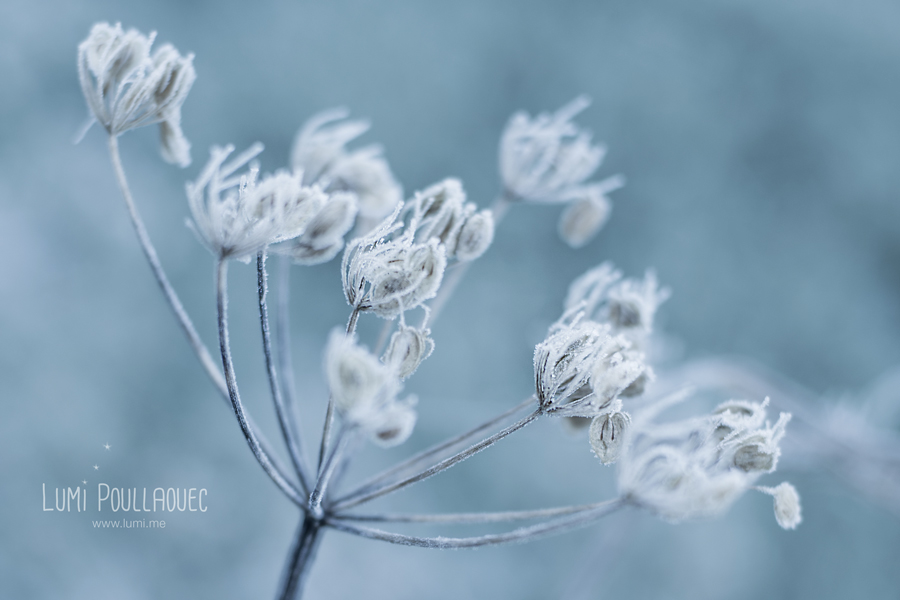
(542, 157)
(582, 219)
(607, 435)
(589, 290)
(476, 236)
(787, 504)
(355, 377)
(393, 423)
(616, 369)
(365, 173)
(321, 140)
(127, 88)
(323, 237)
(755, 450)
(407, 349)
(633, 303)
(562, 366)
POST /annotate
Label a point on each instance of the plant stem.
(288, 431)
(303, 552)
(373, 482)
(325, 473)
(171, 296)
(522, 534)
(329, 412)
(434, 470)
(262, 457)
(486, 517)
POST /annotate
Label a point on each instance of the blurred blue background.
(760, 141)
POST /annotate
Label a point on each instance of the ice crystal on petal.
(236, 216)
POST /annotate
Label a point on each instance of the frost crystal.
(125, 87)
(685, 469)
(236, 216)
(319, 151)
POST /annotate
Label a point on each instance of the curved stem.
(414, 460)
(349, 502)
(206, 360)
(329, 412)
(303, 552)
(486, 517)
(522, 534)
(262, 457)
(288, 431)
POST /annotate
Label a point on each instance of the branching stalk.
(288, 431)
(262, 457)
(486, 517)
(434, 470)
(171, 296)
(329, 412)
(522, 534)
(391, 473)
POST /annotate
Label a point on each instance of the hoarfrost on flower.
(787, 504)
(320, 152)
(238, 215)
(127, 87)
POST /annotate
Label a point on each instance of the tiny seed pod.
(476, 236)
(407, 349)
(582, 219)
(607, 435)
(787, 504)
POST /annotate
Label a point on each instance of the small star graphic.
(107, 446)
(84, 481)
(96, 467)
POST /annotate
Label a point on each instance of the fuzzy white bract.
(239, 215)
(697, 466)
(787, 504)
(127, 87)
(320, 152)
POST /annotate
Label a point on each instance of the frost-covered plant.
(592, 364)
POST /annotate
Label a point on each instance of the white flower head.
(238, 215)
(125, 87)
(562, 368)
(323, 238)
(389, 276)
(543, 157)
(320, 152)
(787, 504)
(682, 470)
(441, 212)
(365, 391)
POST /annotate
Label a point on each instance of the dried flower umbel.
(410, 256)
